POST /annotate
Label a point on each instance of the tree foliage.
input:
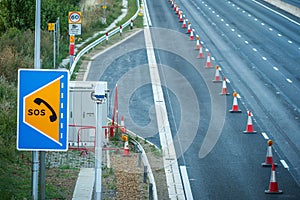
(20, 14)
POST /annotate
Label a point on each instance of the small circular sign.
(74, 17)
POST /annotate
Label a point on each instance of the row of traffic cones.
(273, 185)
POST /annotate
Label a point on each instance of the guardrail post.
(131, 24)
(140, 159)
(150, 191)
(145, 174)
(106, 37)
(121, 30)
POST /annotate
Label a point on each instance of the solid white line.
(276, 12)
(265, 135)
(146, 11)
(186, 183)
(175, 187)
(284, 164)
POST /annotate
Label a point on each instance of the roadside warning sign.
(42, 110)
(74, 17)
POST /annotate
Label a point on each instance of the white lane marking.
(279, 35)
(275, 68)
(264, 58)
(285, 165)
(290, 42)
(265, 135)
(270, 29)
(239, 35)
(186, 183)
(246, 42)
(289, 80)
(276, 12)
(254, 49)
(255, 19)
(262, 24)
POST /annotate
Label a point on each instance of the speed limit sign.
(75, 17)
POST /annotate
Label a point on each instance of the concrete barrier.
(294, 10)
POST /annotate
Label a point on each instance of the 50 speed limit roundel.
(74, 17)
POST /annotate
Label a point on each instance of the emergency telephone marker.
(42, 110)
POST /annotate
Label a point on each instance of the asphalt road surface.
(258, 52)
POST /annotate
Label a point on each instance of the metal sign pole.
(98, 153)
(58, 35)
(37, 65)
(42, 188)
(54, 46)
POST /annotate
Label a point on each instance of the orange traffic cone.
(224, 87)
(217, 75)
(198, 42)
(189, 27)
(235, 106)
(126, 149)
(184, 22)
(249, 127)
(200, 55)
(123, 129)
(208, 61)
(177, 10)
(192, 35)
(180, 16)
(273, 186)
(269, 157)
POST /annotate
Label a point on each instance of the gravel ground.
(123, 180)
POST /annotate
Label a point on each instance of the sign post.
(37, 65)
(74, 19)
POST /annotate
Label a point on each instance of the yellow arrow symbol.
(42, 110)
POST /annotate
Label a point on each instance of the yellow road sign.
(75, 17)
(42, 109)
(72, 39)
(51, 26)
